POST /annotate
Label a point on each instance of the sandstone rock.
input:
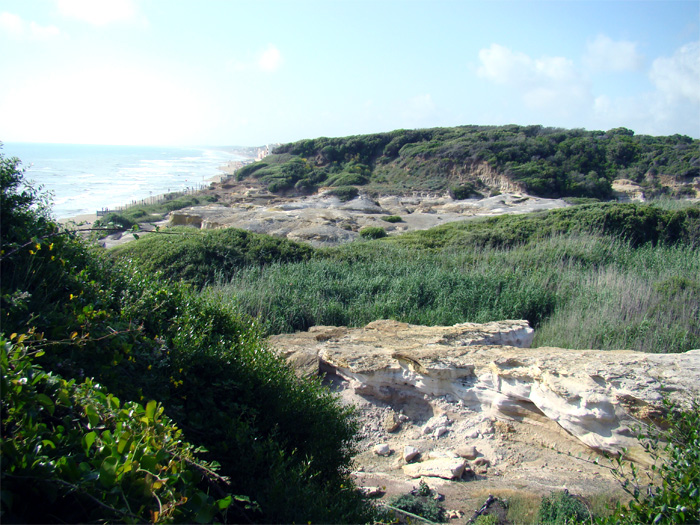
(382, 449)
(467, 452)
(410, 453)
(439, 431)
(446, 468)
(596, 396)
(391, 422)
(324, 220)
(372, 492)
(454, 514)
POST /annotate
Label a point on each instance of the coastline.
(85, 219)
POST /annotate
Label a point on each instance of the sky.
(244, 72)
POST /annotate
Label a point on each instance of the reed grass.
(578, 291)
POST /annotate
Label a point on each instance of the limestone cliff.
(594, 395)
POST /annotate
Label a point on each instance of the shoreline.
(84, 219)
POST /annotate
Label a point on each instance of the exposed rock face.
(627, 191)
(596, 396)
(489, 177)
(323, 219)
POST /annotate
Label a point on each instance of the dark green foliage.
(125, 219)
(392, 218)
(637, 223)
(88, 457)
(464, 191)
(24, 212)
(118, 221)
(561, 508)
(372, 232)
(549, 162)
(344, 193)
(420, 502)
(671, 493)
(201, 256)
(282, 443)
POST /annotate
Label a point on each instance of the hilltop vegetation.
(137, 385)
(546, 162)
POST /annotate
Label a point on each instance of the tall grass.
(578, 291)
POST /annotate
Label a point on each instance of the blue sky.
(224, 72)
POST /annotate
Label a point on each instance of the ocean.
(85, 178)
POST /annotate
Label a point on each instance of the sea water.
(85, 178)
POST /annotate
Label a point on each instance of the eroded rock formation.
(323, 219)
(596, 396)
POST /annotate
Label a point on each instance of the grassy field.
(605, 276)
(580, 291)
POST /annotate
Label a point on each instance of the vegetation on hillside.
(603, 276)
(128, 398)
(137, 387)
(547, 162)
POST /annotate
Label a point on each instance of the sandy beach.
(87, 219)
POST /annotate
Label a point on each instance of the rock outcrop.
(596, 396)
(323, 220)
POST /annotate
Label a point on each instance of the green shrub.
(392, 218)
(284, 443)
(344, 193)
(91, 456)
(561, 508)
(420, 502)
(670, 493)
(205, 256)
(463, 191)
(116, 221)
(348, 179)
(486, 519)
(247, 171)
(372, 232)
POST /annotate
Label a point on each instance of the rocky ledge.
(464, 400)
(323, 219)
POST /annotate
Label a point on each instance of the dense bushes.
(635, 223)
(671, 492)
(88, 457)
(579, 289)
(372, 232)
(548, 162)
(281, 443)
(200, 257)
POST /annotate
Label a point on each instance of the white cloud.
(14, 26)
(270, 59)
(503, 66)
(678, 77)
(418, 110)
(672, 106)
(604, 54)
(42, 32)
(99, 12)
(550, 83)
(11, 24)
